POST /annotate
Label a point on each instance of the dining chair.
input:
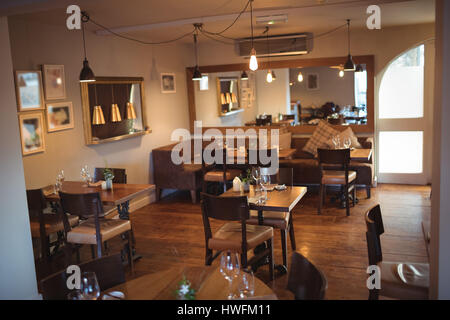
(94, 229)
(43, 225)
(400, 280)
(277, 219)
(235, 235)
(305, 280)
(217, 172)
(108, 270)
(344, 177)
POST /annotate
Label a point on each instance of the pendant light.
(270, 73)
(341, 73)
(244, 75)
(197, 76)
(86, 74)
(300, 77)
(253, 65)
(131, 113)
(349, 65)
(97, 117)
(115, 113)
(269, 78)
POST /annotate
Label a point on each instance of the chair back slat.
(84, 205)
(305, 280)
(120, 175)
(108, 270)
(225, 208)
(333, 156)
(36, 202)
(375, 228)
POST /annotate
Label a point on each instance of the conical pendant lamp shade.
(115, 113)
(86, 74)
(228, 96)
(244, 75)
(233, 98)
(349, 65)
(131, 113)
(98, 117)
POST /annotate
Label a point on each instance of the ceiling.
(155, 20)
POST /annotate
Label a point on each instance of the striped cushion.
(320, 138)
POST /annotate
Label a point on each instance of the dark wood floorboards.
(170, 233)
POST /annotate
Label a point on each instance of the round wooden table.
(208, 283)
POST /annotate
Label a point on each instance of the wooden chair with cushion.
(401, 280)
(343, 177)
(44, 224)
(277, 219)
(218, 172)
(108, 270)
(120, 176)
(235, 235)
(95, 229)
(305, 280)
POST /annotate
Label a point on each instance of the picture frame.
(54, 82)
(313, 81)
(168, 83)
(59, 116)
(29, 93)
(32, 134)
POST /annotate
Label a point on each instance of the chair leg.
(292, 232)
(368, 188)
(208, 257)
(158, 194)
(354, 195)
(130, 253)
(105, 245)
(347, 200)
(284, 246)
(270, 247)
(93, 251)
(194, 196)
(374, 294)
(319, 210)
(244, 260)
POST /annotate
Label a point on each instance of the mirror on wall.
(227, 95)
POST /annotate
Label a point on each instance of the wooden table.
(282, 153)
(119, 196)
(282, 201)
(207, 281)
(360, 154)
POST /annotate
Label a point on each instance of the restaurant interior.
(225, 150)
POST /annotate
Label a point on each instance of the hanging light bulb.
(253, 65)
(300, 77)
(349, 64)
(86, 74)
(269, 77)
(341, 73)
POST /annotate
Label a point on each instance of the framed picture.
(168, 84)
(313, 81)
(29, 90)
(32, 132)
(59, 116)
(54, 82)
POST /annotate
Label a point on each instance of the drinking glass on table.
(89, 286)
(265, 183)
(347, 143)
(229, 268)
(256, 174)
(84, 173)
(336, 141)
(246, 284)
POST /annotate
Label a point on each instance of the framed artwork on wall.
(32, 133)
(54, 82)
(59, 116)
(29, 90)
(313, 81)
(168, 83)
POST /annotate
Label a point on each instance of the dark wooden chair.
(276, 219)
(95, 229)
(42, 224)
(218, 172)
(108, 270)
(305, 280)
(235, 235)
(343, 177)
(401, 280)
(120, 175)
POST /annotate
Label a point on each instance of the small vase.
(109, 184)
(245, 187)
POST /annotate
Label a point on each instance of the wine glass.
(246, 285)
(89, 286)
(265, 183)
(229, 268)
(347, 143)
(336, 142)
(61, 176)
(256, 174)
(84, 173)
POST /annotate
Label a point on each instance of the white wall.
(17, 275)
(33, 44)
(273, 98)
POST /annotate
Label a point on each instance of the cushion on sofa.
(320, 138)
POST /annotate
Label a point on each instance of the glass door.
(403, 119)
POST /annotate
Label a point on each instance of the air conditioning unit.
(280, 45)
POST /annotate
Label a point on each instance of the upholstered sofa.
(306, 169)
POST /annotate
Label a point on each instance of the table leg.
(124, 213)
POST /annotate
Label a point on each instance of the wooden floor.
(170, 233)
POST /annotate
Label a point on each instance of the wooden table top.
(283, 201)
(118, 195)
(360, 154)
(207, 281)
(282, 153)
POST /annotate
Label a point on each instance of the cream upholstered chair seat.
(85, 233)
(337, 177)
(271, 218)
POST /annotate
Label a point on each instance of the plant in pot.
(109, 176)
(245, 181)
